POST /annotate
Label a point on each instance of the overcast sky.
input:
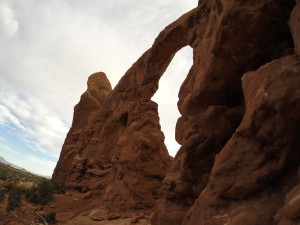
(48, 50)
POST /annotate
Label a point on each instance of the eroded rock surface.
(295, 26)
(257, 167)
(239, 128)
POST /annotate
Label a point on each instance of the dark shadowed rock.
(257, 167)
(295, 26)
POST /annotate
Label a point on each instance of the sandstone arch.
(120, 150)
(119, 137)
(167, 96)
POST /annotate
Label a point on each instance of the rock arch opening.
(167, 95)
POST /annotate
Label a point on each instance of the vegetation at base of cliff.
(42, 193)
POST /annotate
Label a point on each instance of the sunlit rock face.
(239, 127)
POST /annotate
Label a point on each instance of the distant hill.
(10, 173)
(2, 160)
(8, 163)
(40, 175)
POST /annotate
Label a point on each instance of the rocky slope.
(239, 128)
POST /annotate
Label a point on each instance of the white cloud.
(41, 129)
(6, 116)
(6, 148)
(42, 162)
(8, 24)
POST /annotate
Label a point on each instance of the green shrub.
(14, 197)
(2, 194)
(41, 194)
(59, 186)
(3, 174)
(50, 217)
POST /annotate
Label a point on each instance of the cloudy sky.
(48, 50)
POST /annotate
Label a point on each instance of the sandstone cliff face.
(239, 130)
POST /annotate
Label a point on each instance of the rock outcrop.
(114, 148)
(239, 128)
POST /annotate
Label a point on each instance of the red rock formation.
(115, 148)
(295, 26)
(239, 129)
(231, 38)
(258, 166)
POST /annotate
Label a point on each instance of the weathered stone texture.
(239, 128)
